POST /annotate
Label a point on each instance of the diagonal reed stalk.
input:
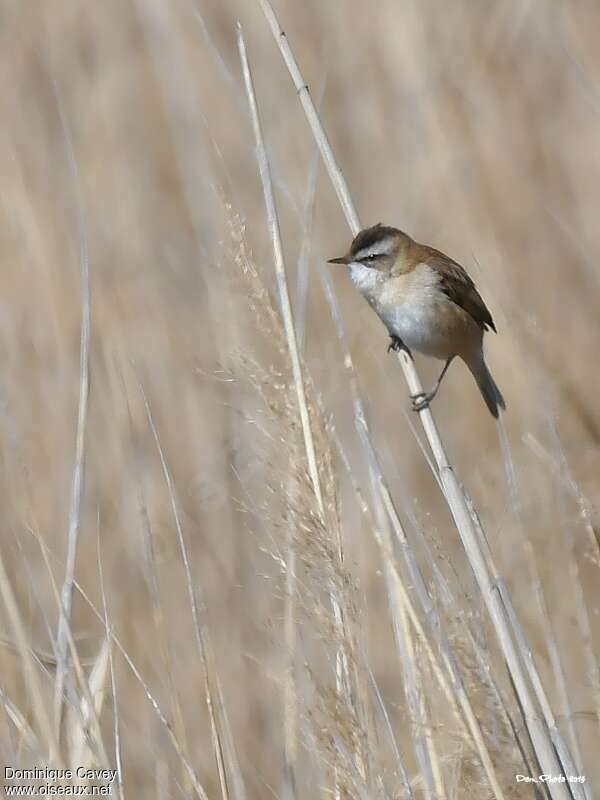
(545, 750)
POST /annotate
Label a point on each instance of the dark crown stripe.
(371, 236)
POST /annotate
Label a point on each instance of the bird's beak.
(340, 260)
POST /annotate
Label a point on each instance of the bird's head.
(375, 248)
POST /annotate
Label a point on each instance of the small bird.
(427, 302)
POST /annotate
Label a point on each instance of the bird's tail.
(487, 386)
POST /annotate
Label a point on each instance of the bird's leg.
(396, 344)
(422, 399)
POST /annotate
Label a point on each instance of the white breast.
(412, 307)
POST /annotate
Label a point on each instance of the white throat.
(366, 279)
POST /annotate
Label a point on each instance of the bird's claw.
(396, 344)
(421, 400)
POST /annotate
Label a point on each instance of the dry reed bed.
(277, 598)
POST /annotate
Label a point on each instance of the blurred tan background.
(473, 126)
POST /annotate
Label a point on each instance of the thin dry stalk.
(18, 719)
(422, 736)
(182, 112)
(86, 705)
(538, 592)
(290, 700)
(583, 616)
(398, 595)
(388, 724)
(223, 747)
(113, 681)
(577, 790)
(79, 465)
(564, 756)
(195, 781)
(458, 688)
(302, 281)
(152, 579)
(586, 509)
(38, 705)
(482, 659)
(452, 490)
(77, 719)
(278, 258)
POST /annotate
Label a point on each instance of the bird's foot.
(421, 400)
(396, 344)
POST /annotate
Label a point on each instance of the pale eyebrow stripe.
(382, 247)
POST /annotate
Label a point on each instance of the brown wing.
(459, 287)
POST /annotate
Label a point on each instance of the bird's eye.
(369, 258)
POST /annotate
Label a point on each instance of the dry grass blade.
(457, 690)
(152, 579)
(406, 787)
(586, 509)
(198, 787)
(290, 694)
(177, 94)
(538, 592)
(286, 306)
(86, 708)
(303, 264)
(78, 467)
(113, 682)
(290, 701)
(583, 615)
(77, 722)
(45, 728)
(26, 733)
(560, 746)
(221, 737)
(404, 636)
(453, 493)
